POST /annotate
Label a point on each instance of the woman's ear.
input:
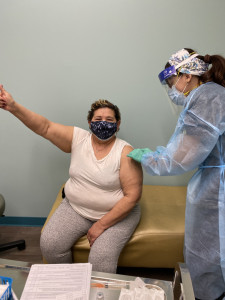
(188, 77)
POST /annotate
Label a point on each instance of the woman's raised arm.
(59, 135)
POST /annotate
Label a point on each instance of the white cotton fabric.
(94, 185)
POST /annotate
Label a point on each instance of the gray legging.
(66, 226)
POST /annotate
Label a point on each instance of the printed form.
(58, 282)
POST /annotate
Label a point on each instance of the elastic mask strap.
(187, 93)
(184, 89)
(178, 78)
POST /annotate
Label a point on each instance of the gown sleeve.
(192, 141)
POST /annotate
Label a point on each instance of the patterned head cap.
(184, 62)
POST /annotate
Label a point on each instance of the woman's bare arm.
(59, 135)
(131, 178)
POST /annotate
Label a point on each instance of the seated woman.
(103, 189)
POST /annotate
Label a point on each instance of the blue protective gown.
(199, 142)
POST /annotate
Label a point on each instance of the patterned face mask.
(103, 130)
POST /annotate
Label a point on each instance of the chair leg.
(20, 244)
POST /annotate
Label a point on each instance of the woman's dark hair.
(217, 71)
(101, 104)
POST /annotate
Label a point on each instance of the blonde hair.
(100, 104)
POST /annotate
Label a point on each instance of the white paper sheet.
(58, 282)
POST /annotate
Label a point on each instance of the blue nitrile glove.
(137, 154)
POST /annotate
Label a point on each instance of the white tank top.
(94, 185)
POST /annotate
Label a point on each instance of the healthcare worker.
(197, 83)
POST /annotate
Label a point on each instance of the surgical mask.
(103, 130)
(176, 96)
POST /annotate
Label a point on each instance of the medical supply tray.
(8, 292)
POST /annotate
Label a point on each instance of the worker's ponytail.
(216, 72)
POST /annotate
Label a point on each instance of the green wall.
(58, 56)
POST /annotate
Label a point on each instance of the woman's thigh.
(64, 228)
(108, 246)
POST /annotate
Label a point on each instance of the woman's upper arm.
(131, 175)
(60, 135)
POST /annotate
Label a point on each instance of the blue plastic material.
(7, 294)
(198, 143)
(166, 74)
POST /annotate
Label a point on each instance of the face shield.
(169, 78)
(181, 62)
(167, 73)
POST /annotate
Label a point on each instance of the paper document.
(58, 282)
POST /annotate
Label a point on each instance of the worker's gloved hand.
(137, 154)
